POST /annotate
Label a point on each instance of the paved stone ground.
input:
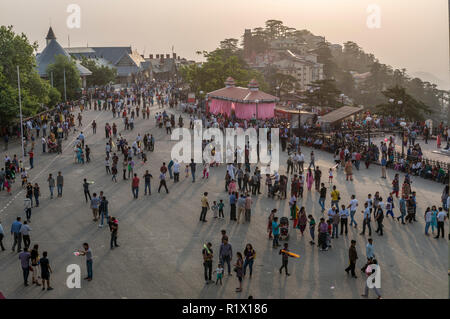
(427, 149)
(161, 238)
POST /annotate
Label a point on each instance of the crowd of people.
(244, 183)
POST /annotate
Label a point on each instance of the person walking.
(233, 201)
(103, 210)
(370, 269)
(248, 207)
(323, 195)
(25, 231)
(46, 270)
(353, 206)
(147, 178)
(441, 216)
(284, 259)
(135, 186)
(95, 202)
(2, 235)
(36, 193)
(86, 190)
(352, 256)
(276, 232)
(59, 184)
(226, 254)
(35, 262)
(249, 254)
(51, 184)
(17, 235)
(343, 214)
(370, 255)
(192, 166)
(312, 227)
(114, 229)
(207, 254)
(205, 207)
(162, 182)
(366, 221)
(89, 263)
(238, 266)
(379, 217)
(24, 258)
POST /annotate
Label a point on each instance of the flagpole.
(20, 108)
(65, 92)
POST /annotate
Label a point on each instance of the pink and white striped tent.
(246, 103)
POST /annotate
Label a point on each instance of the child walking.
(214, 208)
(219, 274)
(330, 176)
(220, 207)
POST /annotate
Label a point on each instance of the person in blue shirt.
(275, 232)
(233, 206)
(15, 231)
(402, 204)
(383, 167)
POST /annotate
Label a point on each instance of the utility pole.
(65, 90)
(20, 110)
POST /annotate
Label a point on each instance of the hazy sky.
(413, 33)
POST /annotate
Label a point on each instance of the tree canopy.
(101, 74)
(65, 65)
(409, 108)
(220, 64)
(16, 50)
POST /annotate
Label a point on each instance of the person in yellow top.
(335, 197)
(205, 207)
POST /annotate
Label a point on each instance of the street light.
(278, 91)
(342, 95)
(256, 101)
(368, 120)
(299, 109)
(403, 124)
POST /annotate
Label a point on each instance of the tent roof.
(243, 95)
(340, 114)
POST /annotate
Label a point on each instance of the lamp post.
(342, 95)
(299, 110)
(403, 124)
(256, 101)
(368, 121)
(278, 91)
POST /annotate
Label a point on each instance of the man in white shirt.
(441, 216)
(366, 221)
(343, 214)
(353, 206)
(331, 213)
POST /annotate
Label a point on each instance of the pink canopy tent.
(246, 103)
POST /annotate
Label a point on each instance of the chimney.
(151, 56)
(167, 56)
(157, 56)
(174, 55)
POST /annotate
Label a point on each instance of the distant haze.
(413, 33)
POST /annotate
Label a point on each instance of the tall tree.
(101, 74)
(323, 93)
(410, 108)
(16, 50)
(65, 65)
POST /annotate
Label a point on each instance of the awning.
(340, 114)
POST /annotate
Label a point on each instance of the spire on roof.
(253, 85)
(50, 35)
(229, 82)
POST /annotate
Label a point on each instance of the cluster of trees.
(225, 61)
(16, 50)
(101, 74)
(374, 91)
